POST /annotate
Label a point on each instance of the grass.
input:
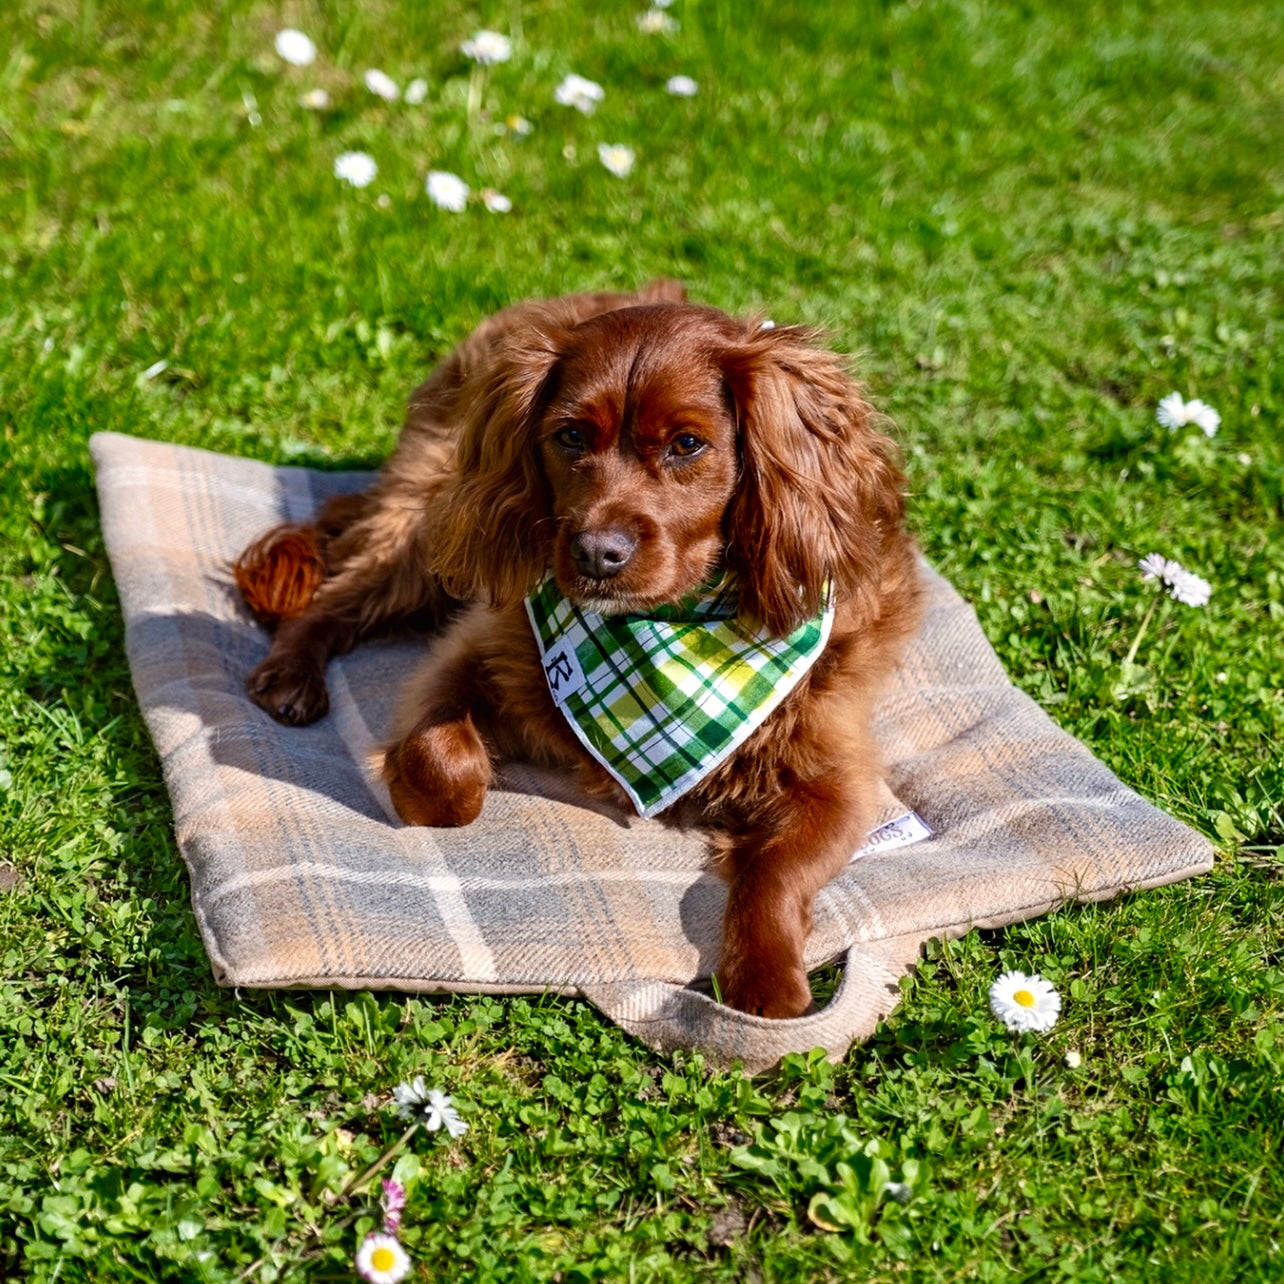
(1031, 222)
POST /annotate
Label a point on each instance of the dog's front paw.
(438, 775)
(292, 691)
(761, 989)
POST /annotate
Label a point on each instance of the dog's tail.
(280, 573)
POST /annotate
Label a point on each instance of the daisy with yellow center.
(1025, 1002)
(382, 1260)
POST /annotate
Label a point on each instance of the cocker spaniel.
(663, 549)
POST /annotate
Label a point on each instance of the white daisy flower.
(1074, 1059)
(1025, 1002)
(681, 86)
(575, 91)
(315, 100)
(294, 47)
(1190, 589)
(382, 1260)
(357, 168)
(416, 91)
(429, 1106)
(487, 48)
(518, 125)
(382, 85)
(655, 22)
(447, 191)
(616, 157)
(1183, 585)
(1154, 566)
(495, 201)
(1174, 412)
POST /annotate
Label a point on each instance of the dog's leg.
(375, 576)
(775, 874)
(439, 769)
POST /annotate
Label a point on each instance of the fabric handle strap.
(668, 1017)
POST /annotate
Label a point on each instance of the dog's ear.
(494, 528)
(820, 494)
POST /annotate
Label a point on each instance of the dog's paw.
(293, 693)
(776, 992)
(438, 775)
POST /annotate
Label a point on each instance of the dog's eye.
(686, 444)
(571, 438)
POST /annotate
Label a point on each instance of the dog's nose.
(604, 553)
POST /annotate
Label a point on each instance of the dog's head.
(636, 452)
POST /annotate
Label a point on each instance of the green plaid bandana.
(661, 699)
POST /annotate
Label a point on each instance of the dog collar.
(662, 699)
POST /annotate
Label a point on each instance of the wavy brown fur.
(279, 574)
(678, 440)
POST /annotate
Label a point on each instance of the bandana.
(661, 699)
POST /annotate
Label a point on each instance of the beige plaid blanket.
(302, 876)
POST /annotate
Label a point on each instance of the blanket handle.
(669, 1017)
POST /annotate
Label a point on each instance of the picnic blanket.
(302, 876)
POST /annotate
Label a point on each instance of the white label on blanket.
(562, 668)
(901, 832)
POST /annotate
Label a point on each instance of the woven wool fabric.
(660, 700)
(302, 876)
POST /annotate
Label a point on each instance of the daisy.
(495, 201)
(575, 91)
(655, 22)
(393, 1201)
(616, 157)
(381, 84)
(294, 47)
(382, 1260)
(428, 1106)
(1154, 566)
(1183, 585)
(518, 125)
(416, 91)
(487, 48)
(682, 86)
(315, 100)
(1190, 589)
(1176, 413)
(1024, 1002)
(357, 168)
(447, 191)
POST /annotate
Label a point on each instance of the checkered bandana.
(661, 699)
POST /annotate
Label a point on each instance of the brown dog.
(633, 448)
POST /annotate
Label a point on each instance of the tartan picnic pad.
(660, 700)
(302, 876)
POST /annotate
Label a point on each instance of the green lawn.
(1030, 222)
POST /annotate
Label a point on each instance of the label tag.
(901, 832)
(562, 669)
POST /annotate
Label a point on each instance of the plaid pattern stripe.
(661, 699)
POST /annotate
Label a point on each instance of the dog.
(626, 463)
